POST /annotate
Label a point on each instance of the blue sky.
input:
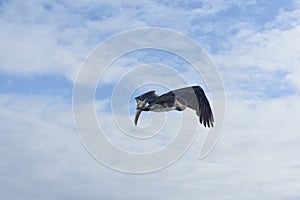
(254, 45)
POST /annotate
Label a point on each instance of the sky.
(254, 46)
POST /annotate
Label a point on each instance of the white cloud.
(50, 37)
(54, 37)
(256, 158)
(271, 49)
(253, 159)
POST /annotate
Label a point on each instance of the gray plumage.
(192, 97)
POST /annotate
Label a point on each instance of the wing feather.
(195, 98)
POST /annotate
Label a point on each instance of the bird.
(189, 97)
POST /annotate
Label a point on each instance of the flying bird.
(192, 97)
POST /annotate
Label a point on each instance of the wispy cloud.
(265, 60)
(255, 153)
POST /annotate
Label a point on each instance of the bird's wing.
(194, 97)
(147, 95)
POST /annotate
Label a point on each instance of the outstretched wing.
(194, 98)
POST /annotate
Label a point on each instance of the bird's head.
(143, 99)
(141, 102)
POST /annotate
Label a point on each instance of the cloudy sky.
(255, 47)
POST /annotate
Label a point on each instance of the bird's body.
(192, 97)
(164, 103)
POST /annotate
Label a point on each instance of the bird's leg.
(179, 106)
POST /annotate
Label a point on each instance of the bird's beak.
(140, 104)
(137, 115)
